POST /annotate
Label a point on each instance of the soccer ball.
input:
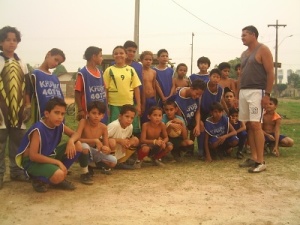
(173, 133)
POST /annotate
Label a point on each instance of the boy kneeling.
(38, 155)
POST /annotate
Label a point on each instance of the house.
(67, 83)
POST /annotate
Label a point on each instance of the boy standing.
(15, 106)
(94, 138)
(89, 83)
(220, 135)
(164, 77)
(148, 98)
(213, 93)
(131, 49)
(271, 127)
(203, 64)
(38, 155)
(121, 140)
(225, 81)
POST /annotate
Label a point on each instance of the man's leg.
(15, 137)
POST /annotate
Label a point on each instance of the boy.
(203, 64)
(176, 125)
(240, 128)
(220, 136)
(225, 81)
(45, 84)
(271, 127)
(131, 49)
(187, 100)
(94, 138)
(121, 140)
(164, 77)
(149, 85)
(154, 139)
(89, 83)
(15, 106)
(213, 93)
(37, 154)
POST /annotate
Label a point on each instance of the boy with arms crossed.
(15, 106)
(121, 140)
(154, 139)
(37, 154)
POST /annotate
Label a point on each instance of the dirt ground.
(191, 192)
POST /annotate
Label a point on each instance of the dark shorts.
(270, 141)
(212, 140)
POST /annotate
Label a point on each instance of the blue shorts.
(273, 134)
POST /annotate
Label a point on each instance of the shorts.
(212, 140)
(250, 108)
(154, 149)
(98, 156)
(44, 169)
(267, 140)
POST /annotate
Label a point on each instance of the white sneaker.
(138, 164)
(259, 167)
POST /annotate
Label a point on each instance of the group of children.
(131, 107)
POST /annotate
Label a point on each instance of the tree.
(233, 63)
(294, 80)
(60, 69)
(281, 88)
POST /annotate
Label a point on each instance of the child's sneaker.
(86, 178)
(39, 186)
(65, 185)
(247, 163)
(106, 171)
(138, 164)
(158, 162)
(239, 155)
(257, 168)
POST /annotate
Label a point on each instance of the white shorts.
(250, 108)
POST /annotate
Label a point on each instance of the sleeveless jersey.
(208, 98)
(165, 79)
(49, 139)
(253, 75)
(94, 89)
(13, 87)
(194, 76)
(217, 129)
(187, 106)
(46, 86)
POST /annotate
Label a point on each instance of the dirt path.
(191, 192)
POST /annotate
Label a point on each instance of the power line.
(204, 21)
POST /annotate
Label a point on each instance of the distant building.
(280, 76)
(297, 72)
(67, 83)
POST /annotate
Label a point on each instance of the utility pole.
(276, 64)
(192, 52)
(137, 25)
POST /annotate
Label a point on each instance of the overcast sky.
(73, 25)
